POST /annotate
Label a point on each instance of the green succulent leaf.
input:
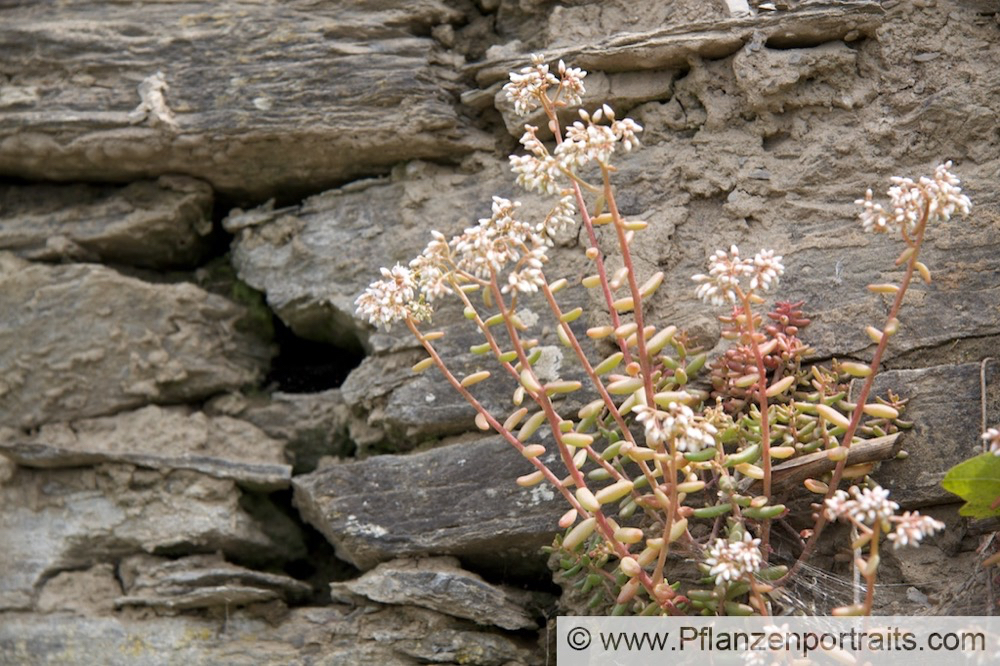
(977, 481)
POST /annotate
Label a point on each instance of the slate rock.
(153, 224)
(459, 499)
(161, 438)
(257, 99)
(200, 581)
(311, 425)
(57, 520)
(440, 584)
(82, 340)
(337, 634)
(944, 404)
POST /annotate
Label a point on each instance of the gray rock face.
(459, 500)
(77, 517)
(944, 403)
(161, 438)
(328, 636)
(254, 98)
(200, 581)
(440, 584)
(311, 425)
(82, 340)
(154, 224)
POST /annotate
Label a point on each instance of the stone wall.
(208, 457)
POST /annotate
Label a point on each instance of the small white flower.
(767, 269)
(940, 196)
(561, 217)
(723, 280)
(992, 437)
(869, 506)
(733, 561)
(677, 423)
(391, 299)
(571, 84)
(911, 527)
(527, 86)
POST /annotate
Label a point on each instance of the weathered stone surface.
(82, 340)
(945, 408)
(161, 438)
(54, 520)
(628, 36)
(328, 636)
(257, 99)
(88, 592)
(459, 499)
(200, 581)
(311, 425)
(155, 224)
(440, 584)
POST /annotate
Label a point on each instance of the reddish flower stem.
(838, 472)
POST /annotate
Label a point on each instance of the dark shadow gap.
(306, 366)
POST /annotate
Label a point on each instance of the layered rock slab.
(458, 499)
(153, 224)
(82, 340)
(76, 517)
(440, 584)
(160, 438)
(257, 99)
(328, 636)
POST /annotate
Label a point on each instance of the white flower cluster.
(872, 505)
(678, 423)
(992, 437)
(527, 86)
(868, 506)
(911, 527)
(585, 142)
(940, 196)
(726, 269)
(391, 299)
(736, 560)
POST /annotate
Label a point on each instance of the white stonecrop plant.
(647, 442)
